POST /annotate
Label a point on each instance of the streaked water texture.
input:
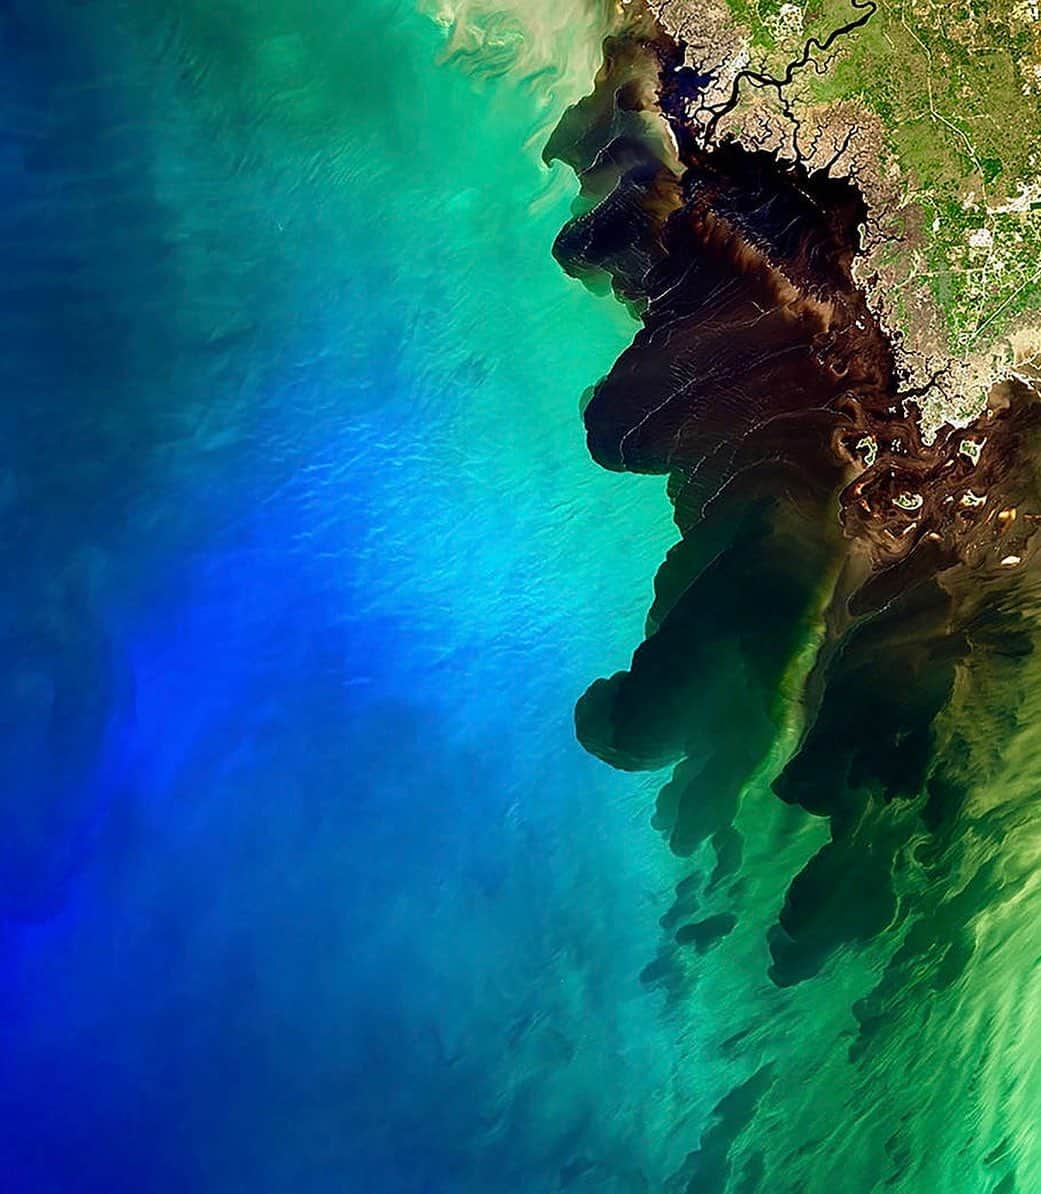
(306, 884)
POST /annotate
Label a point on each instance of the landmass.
(932, 108)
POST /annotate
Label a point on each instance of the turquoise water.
(308, 886)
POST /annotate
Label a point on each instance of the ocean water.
(306, 884)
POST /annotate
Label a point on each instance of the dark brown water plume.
(840, 576)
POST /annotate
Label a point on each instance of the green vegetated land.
(958, 90)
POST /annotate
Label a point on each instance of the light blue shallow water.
(308, 886)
